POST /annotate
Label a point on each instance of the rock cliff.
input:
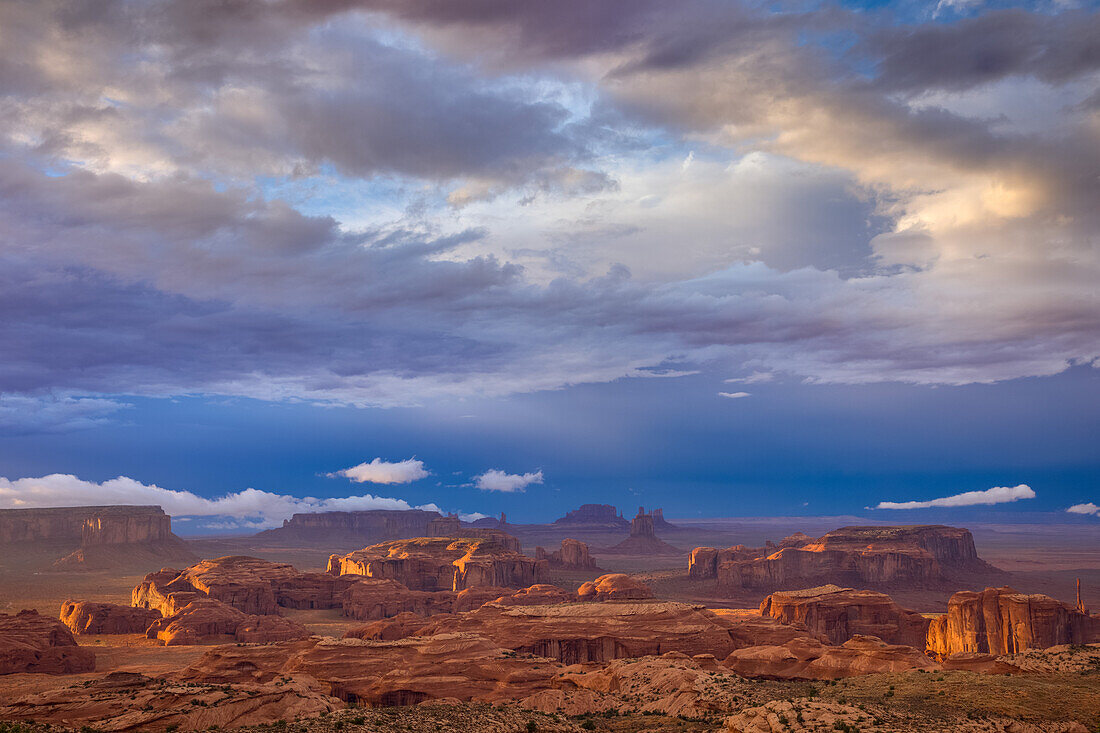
(838, 614)
(442, 563)
(922, 556)
(352, 528)
(1002, 621)
(206, 620)
(33, 643)
(573, 555)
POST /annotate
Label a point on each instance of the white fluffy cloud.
(733, 395)
(494, 480)
(996, 495)
(1087, 508)
(385, 472)
(250, 507)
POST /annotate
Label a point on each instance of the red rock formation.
(536, 595)
(378, 598)
(838, 614)
(248, 584)
(352, 528)
(590, 632)
(441, 563)
(614, 587)
(1002, 621)
(127, 701)
(643, 540)
(87, 617)
(33, 643)
(914, 556)
(807, 659)
(464, 667)
(594, 515)
(573, 555)
(206, 620)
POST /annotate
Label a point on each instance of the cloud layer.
(387, 203)
(250, 508)
(1088, 508)
(385, 472)
(996, 495)
(495, 480)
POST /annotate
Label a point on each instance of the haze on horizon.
(732, 259)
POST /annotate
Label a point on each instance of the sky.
(727, 258)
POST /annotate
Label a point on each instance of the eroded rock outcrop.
(614, 587)
(838, 614)
(248, 584)
(589, 632)
(1002, 621)
(643, 538)
(89, 617)
(206, 620)
(441, 563)
(573, 555)
(30, 642)
(808, 659)
(593, 515)
(378, 598)
(128, 701)
(926, 555)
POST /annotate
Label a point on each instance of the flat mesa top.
(112, 509)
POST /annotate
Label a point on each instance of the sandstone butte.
(614, 587)
(33, 643)
(1002, 621)
(919, 556)
(248, 584)
(573, 555)
(838, 614)
(88, 617)
(206, 620)
(98, 536)
(643, 538)
(442, 563)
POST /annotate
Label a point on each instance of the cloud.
(734, 395)
(384, 472)
(1087, 508)
(996, 495)
(494, 480)
(250, 507)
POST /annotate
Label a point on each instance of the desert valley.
(411, 620)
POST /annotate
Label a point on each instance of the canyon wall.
(86, 525)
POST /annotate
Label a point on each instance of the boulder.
(206, 621)
(88, 617)
(838, 614)
(809, 659)
(614, 587)
(30, 642)
(573, 555)
(1002, 621)
(441, 563)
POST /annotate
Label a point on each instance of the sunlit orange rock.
(808, 659)
(614, 587)
(88, 617)
(838, 614)
(206, 621)
(1002, 621)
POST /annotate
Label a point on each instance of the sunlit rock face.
(838, 614)
(442, 563)
(1002, 621)
(30, 642)
(207, 620)
(89, 617)
(919, 555)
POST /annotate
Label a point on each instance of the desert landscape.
(411, 620)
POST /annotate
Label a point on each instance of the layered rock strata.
(88, 617)
(573, 555)
(206, 621)
(838, 614)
